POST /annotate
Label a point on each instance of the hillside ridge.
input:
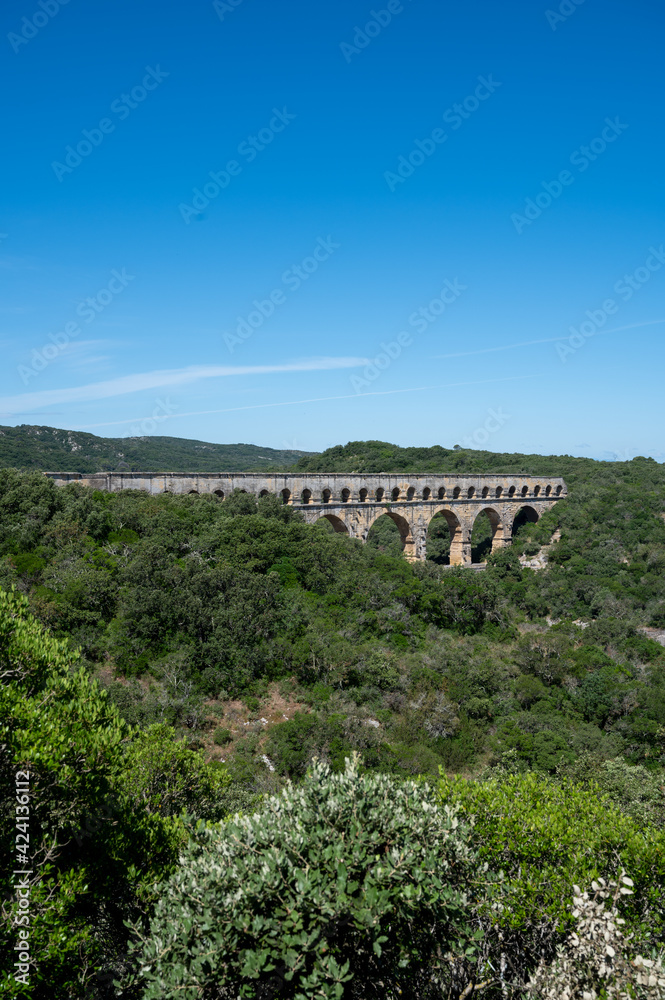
(41, 448)
(50, 449)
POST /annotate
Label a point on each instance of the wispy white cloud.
(9, 263)
(16, 310)
(86, 354)
(31, 401)
(91, 362)
(318, 399)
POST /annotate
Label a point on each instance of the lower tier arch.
(404, 528)
(336, 522)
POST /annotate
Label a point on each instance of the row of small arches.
(396, 495)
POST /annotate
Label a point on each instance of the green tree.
(346, 885)
(92, 858)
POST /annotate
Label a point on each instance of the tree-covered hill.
(380, 456)
(201, 598)
(50, 449)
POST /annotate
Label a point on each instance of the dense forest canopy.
(224, 645)
(221, 599)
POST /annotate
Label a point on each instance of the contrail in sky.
(320, 399)
(14, 405)
(547, 340)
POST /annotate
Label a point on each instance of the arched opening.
(286, 496)
(548, 490)
(536, 490)
(483, 533)
(511, 491)
(523, 540)
(427, 493)
(444, 539)
(219, 494)
(264, 493)
(559, 490)
(362, 495)
(306, 496)
(328, 521)
(325, 496)
(471, 491)
(456, 493)
(194, 493)
(441, 492)
(346, 493)
(525, 490)
(380, 493)
(498, 491)
(486, 491)
(391, 534)
(384, 536)
(410, 493)
(395, 494)
(525, 515)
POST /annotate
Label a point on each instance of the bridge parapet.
(352, 502)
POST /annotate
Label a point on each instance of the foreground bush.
(596, 958)
(347, 885)
(92, 857)
(546, 838)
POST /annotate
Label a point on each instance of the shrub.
(545, 838)
(293, 744)
(595, 960)
(632, 788)
(345, 879)
(222, 736)
(165, 776)
(462, 601)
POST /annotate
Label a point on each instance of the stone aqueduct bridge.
(352, 503)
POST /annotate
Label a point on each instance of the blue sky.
(301, 224)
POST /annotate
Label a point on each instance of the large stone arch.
(337, 523)
(460, 535)
(530, 512)
(498, 524)
(405, 532)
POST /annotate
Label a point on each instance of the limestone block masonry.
(352, 503)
